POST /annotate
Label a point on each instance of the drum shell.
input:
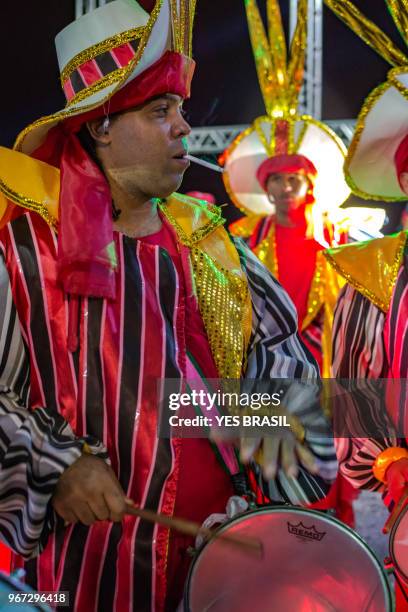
(301, 570)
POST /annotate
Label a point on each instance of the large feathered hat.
(382, 125)
(282, 135)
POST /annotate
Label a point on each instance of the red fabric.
(281, 137)
(211, 485)
(296, 264)
(90, 73)
(401, 157)
(401, 603)
(86, 251)
(5, 559)
(285, 163)
(86, 254)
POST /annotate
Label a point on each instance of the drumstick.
(396, 512)
(245, 543)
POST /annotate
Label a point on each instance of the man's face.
(287, 190)
(145, 155)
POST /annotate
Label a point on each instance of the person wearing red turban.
(285, 172)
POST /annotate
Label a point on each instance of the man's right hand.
(89, 491)
(397, 478)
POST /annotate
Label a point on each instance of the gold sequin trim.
(268, 76)
(301, 135)
(105, 81)
(69, 112)
(371, 34)
(93, 52)
(277, 35)
(296, 66)
(315, 298)
(382, 305)
(399, 13)
(199, 234)
(222, 298)
(28, 203)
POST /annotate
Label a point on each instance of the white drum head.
(311, 563)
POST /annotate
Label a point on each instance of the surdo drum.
(311, 563)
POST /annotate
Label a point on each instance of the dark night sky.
(225, 89)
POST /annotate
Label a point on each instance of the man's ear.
(403, 179)
(99, 129)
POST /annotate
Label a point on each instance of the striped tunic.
(369, 343)
(105, 394)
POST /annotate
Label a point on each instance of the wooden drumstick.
(245, 543)
(396, 512)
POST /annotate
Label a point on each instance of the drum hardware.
(389, 524)
(249, 545)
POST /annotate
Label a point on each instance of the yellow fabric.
(371, 267)
(221, 285)
(29, 183)
(244, 227)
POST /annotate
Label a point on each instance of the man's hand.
(277, 451)
(397, 478)
(89, 491)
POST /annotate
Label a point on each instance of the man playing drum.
(110, 283)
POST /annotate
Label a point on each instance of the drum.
(398, 546)
(12, 597)
(311, 562)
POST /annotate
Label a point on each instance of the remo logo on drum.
(306, 533)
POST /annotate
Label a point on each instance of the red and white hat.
(300, 142)
(374, 158)
(107, 49)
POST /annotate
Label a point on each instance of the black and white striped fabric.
(36, 446)
(360, 352)
(276, 351)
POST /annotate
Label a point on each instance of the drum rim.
(267, 509)
(391, 544)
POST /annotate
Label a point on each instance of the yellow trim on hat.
(106, 81)
(293, 145)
